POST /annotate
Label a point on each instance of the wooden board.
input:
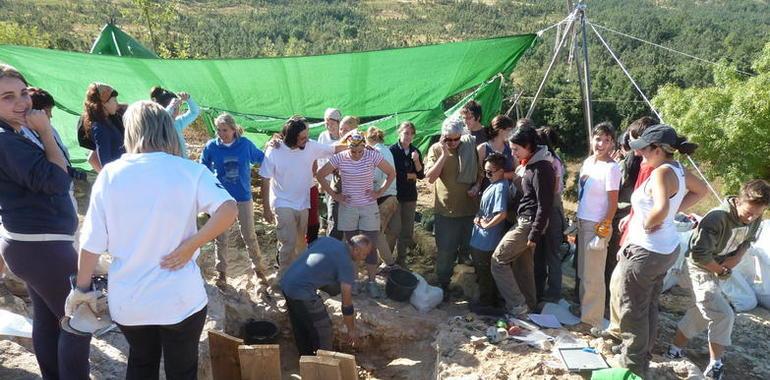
(319, 368)
(260, 362)
(348, 367)
(223, 349)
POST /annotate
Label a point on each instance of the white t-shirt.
(357, 176)
(379, 176)
(142, 207)
(291, 173)
(596, 179)
(326, 138)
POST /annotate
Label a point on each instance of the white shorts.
(358, 218)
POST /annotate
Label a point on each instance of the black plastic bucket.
(259, 332)
(401, 283)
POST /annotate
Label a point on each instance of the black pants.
(178, 343)
(46, 266)
(482, 261)
(310, 324)
(548, 274)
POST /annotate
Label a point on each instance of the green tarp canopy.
(113, 41)
(389, 86)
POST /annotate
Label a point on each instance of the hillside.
(733, 31)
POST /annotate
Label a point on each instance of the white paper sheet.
(548, 321)
(561, 312)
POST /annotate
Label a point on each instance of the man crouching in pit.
(716, 247)
(326, 265)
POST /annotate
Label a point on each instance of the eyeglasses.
(447, 139)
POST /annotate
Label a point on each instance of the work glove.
(78, 297)
(604, 229)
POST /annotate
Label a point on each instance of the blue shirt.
(183, 121)
(34, 196)
(109, 141)
(493, 201)
(232, 164)
(326, 261)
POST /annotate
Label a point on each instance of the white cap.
(333, 114)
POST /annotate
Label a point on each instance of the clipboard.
(582, 359)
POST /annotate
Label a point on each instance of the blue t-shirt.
(232, 164)
(326, 261)
(493, 201)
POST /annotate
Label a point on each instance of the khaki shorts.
(359, 218)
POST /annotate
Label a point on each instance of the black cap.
(656, 134)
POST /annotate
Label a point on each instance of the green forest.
(689, 92)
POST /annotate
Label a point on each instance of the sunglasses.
(447, 139)
(356, 140)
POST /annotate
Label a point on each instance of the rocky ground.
(397, 342)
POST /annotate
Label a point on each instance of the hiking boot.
(714, 372)
(673, 354)
(447, 296)
(373, 289)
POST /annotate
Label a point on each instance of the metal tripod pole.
(586, 82)
(550, 67)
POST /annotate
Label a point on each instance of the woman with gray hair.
(230, 157)
(143, 212)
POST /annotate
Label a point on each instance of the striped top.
(357, 176)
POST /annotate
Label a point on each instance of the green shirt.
(720, 233)
(450, 197)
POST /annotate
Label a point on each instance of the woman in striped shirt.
(358, 210)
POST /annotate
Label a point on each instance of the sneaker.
(599, 332)
(672, 354)
(373, 290)
(714, 372)
(385, 269)
(519, 310)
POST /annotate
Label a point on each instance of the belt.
(525, 219)
(34, 237)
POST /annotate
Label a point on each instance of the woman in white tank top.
(652, 243)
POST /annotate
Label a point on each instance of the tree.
(730, 121)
